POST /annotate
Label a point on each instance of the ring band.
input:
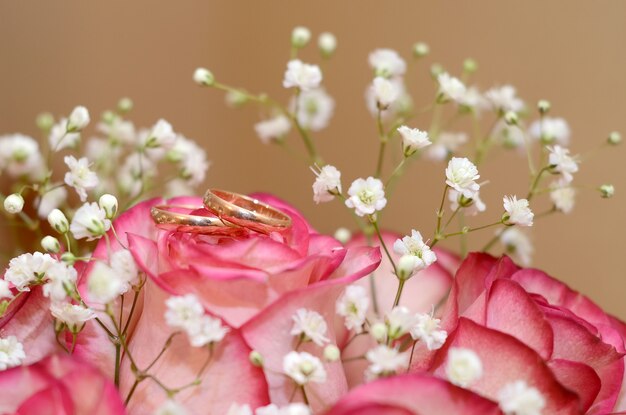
(166, 217)
(245, 211)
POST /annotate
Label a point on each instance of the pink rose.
(58, 384)
(526, 326)
(254, 283)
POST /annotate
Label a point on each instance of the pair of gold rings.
(223, 213)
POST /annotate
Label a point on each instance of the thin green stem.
(440, 213)
(382, 243)
(118, 360)
(306, 398)
(383, 143)
(396, 301)
(535, 183)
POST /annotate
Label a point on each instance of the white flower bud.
(406, 266)
(79, 119)
(332, 353)
(68, 258)
(14, 203)
(125, 105)
(511, 118)
(256, 358)
(203, 76)
(300, 37)
(614, 138)
(421, 49)
(45, 121)
(543, 106)
(470, 66)
(607, 191)
(379, 332)
(436, 69)
(327, 42)
(108, 203)
(51, 244)
(109, 117)
(343, 235)
(58, 221)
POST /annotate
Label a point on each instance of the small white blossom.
(50, 200)
(378, 331)
(387, 63)
(352, 306)
(315, 109)
(51, 244)
(309, 325)
(290, 409)
(414, 245)
(124, 265)
(206, 330)
(518, 398)
(58, 221)
(551, 130)
(300, 36)
(27, 268)
(563, 196)
(421, 49)
(61, 137)
(413, 139)
(343, 235)
(5, 290)
(303, 368)
(451, 88)
(400, 321)
(561, 162)
(475, 207)
(61, 279)
(385, 92)
(473, 99)
(78, 119)
(273, 128)
(385, 360)
(463, 366)
(302, 75)
(183, 311)
(109, 204)
(461, 175)
(237, 409)
(11, 353)
(327, 42)
(80, 177)
(20, 156)
(118, 130)
(89, 222)
(203, 76)
(14, 203)
(332, 353)
(191, 158)
(446, 144)
(103, 285)
(72, 315)
(517, 211)
(428, 329)
(327, 184)
(366, 196)
(504, 99)
(171, 407)
(517, 242)
(161, 135)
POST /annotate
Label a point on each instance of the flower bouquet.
(116, 299)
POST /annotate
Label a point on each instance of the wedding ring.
(172, 218)
(245, 211)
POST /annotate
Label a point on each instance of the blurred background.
(55, 55)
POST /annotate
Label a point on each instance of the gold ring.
(245, 211)
(170, 218)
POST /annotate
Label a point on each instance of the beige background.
(56, 54)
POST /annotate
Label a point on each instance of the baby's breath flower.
(387, 63)
(310, 326)
(61, 137)
(451, 88)
(171, 407)
(206, 330)
(20, 156)
(61, 280)
(563, 196)
(58, 221)
(273, 128)
(385, 92)
(413, 139)
(518, 398)
(352, 306)
(607, 191)
(414, 246)
(461, 175)
(28, 268)
(78, 119)
(550, 130)
(327, 184)
(303, 368)
(161, 135)
(5, 290)
(117, 131)
(109, 204)
(45, 121)
(290, 409)
(471, 207)
(315, 109)
(343, 235)
(503, 99)
(80, 177)
(302, 75)
(14, 203)
(125, 268)
(191, 159)
(463, 367)
(400, 321)
(203, 76)
(614, 138)
(51, 199)
(332, 353)
(50, 244)
(420, 49)
(517, 211)
(366, 196)
(183, 311)
(385, 361)
(517, 243)
(72, 315)
(327, 42)
(103, 285)
(428, 330)
(89, 222)
(300, 36)
(447, 143)
(11, 352)
(561, 162)
(543, 106)
(237, 409)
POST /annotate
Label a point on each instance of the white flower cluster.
(186, 313)
(271, 409)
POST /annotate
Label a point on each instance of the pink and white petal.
(413, 394)
(505, 359)
(579, 378)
